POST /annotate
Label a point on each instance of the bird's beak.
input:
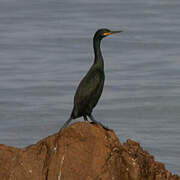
(112, 32)
(115, 32)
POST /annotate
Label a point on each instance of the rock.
(83, 151)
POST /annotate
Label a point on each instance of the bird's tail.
(66, 124)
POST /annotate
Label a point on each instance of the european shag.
(91, 86)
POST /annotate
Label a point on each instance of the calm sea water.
(46, 48)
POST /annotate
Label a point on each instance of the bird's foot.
(96, 122)
(105, 127)
(85, 118)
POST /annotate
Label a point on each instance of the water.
(46, 48)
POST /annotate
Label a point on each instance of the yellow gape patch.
(107, 33)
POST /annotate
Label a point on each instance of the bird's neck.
(98, 59)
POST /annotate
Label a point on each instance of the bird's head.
(101, 33)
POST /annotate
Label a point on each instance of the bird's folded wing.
(90, 87)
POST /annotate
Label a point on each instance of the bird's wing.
(90, 87)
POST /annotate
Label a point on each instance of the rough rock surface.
(83, 151)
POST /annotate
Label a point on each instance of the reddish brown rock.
(83, 151)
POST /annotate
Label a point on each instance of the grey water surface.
(46, 48)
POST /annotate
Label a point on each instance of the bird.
(91, 86)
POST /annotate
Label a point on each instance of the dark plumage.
(91, 86)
